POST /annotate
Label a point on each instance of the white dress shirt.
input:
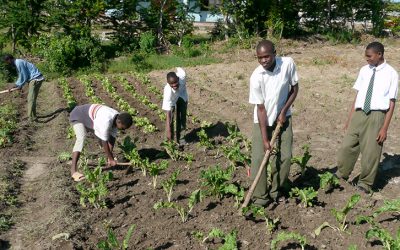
(272, 88)
(171, 96)
(385, 86)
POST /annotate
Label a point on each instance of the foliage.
(169, 184)
(64, 156)
(229, 239)
(5, 222)
(112, 242)
(302, 161)
(306, 195)
(8, 124)
(389, 242)
(341, 215)
(195, 197)
(67, 93)
(206, 142)
(94, 188)
(284, 236)
(171, 147)
(271, 224)
(389, 206)
(235, 155)
(328, 181)
(147, 42)
(155, 169)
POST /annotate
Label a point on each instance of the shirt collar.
(380, 67)
(278, 65)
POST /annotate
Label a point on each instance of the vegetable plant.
(94, 188)
(111, 242)
(229, 239)
(155, 169)
(64, 156)
(328, 181)
(306, 195)
(284, 236)
(341, 215)
(389, 242)
(195, 197)
(271, 224)
(235, 155)
(169, 184)
(206, 142)
(302, 161)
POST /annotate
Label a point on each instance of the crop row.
(8, 124)
(67, 93)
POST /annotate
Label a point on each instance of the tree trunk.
(160, 32)
(14, 38)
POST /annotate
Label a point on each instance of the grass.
(157, 62)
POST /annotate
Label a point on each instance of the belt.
(372, 110)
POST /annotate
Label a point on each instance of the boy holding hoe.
(273, 89)
(369, 117)
(175, 98)
(105, 122)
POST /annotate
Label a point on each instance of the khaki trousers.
(361, 137)
(34, 87)
(280, 162)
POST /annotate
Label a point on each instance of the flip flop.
(78, 176)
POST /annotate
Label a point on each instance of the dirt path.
(42, 194)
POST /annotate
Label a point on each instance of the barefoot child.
(175, 98)
(105, 122)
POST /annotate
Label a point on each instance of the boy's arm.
(291, 97)
(167, 125)
(352, 108)
(263, 123)
(108, 152)
(383, 132)
(111, 143)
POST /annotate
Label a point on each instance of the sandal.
(78, 176)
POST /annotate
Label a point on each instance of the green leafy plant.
(155, 169)
(235, 155)
(328, 181)
(284, 236)
(171, 148)
(64, 156)
(389, 242)
(229, 239)
(341, 215)
(111, 242)
(388, 206)
(257, 211)
(67, 93)
(306, 195)
(195, 197)
(204, 140)
(5, 222)
(70, 132)
(94, 188)
(302, 161)
(8, 124)
(215, 179)
(169, 184)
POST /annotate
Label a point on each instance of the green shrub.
(147, 42)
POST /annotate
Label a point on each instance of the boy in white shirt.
(369, 117)
(273, 89)
(105, 122)
(175, 98)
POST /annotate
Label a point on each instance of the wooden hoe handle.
(8, 90)
(262, 166)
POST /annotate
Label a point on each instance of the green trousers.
(34, 87)
(180, 109)
(280, 162)
(361, 137)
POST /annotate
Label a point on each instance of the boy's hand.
(267, 146)
(111, 163)
(381, 136)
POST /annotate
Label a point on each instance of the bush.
(147, 42)
(63, 54)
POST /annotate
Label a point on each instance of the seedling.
(204, 140)
(195, 197)
(155, 169)
(302, 161)
(215, 179)
(171, 147)
(284, 236)
(389, 206)
(328, 181)
(235, 155)
(169, 184)
(271, 224)
(64, 156)
(94, 188)
(306, 195)
(70, 132)
(229, 240)
(389, 242)
(112, 242)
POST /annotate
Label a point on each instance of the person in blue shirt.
(27, 73)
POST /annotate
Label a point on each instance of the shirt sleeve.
(22, 73)
(357, 84)
(294, 79)
(394, 86)
(102, 132)
(255, 96)
(167, 102)
(180, 73)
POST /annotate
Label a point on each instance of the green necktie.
(368, 97)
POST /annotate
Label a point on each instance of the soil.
(49, 203)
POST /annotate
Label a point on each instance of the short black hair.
(266, 44)
(172, 75)
(377, 47)
(125, 119)
(7, 57)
